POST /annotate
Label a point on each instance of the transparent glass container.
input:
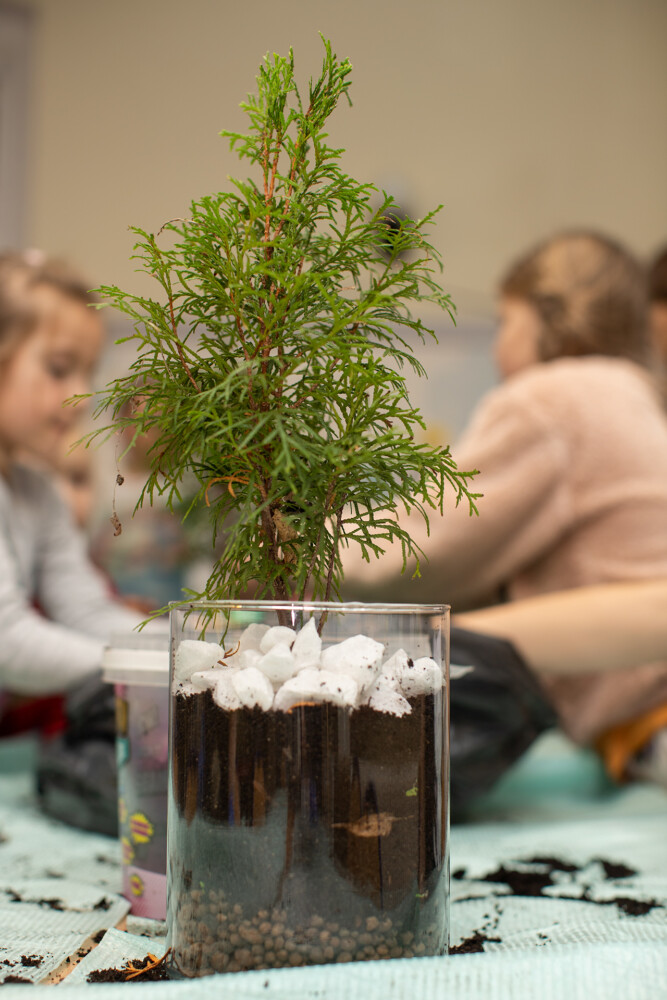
(312, 826)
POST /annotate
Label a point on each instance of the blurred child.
(572, 453)
(55, 608)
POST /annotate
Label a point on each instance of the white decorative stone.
(278, 634)
(278, 664)
(307, 646)
(252, 636)
(184, 688)
(359, 657)
(384, 698)
(253, 688)
(224, 693)
(203, 679)
(423, 677)
(317, 686)
(394, 667)
(246, 658)
(195, 655)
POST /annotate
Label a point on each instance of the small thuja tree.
(271, 361)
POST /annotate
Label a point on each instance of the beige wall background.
(519, 116)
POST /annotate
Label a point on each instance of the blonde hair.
(590, 294)
(20, 275)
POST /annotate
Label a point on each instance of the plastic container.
(140, 675)
(306, 827)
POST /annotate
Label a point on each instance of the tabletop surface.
(559, 888)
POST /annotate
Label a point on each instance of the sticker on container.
(136, 885)
(141, 828)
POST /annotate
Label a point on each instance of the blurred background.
(519, 117)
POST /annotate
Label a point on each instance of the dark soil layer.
(311, 836)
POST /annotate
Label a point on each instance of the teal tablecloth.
(560, 881)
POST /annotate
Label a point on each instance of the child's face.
(51, 364)
(517, 337)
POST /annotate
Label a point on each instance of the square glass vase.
(308, 784)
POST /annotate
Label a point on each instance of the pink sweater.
(573, 467)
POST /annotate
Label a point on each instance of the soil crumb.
(612, 870)
(554, 864)
(521, 883)
(51, 904)
(634, 907)
(473, 944)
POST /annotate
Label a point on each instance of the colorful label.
(146, 891)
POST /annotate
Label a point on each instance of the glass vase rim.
(359, 607)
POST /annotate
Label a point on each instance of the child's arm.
(613, 626)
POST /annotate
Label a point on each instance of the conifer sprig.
(271, 361)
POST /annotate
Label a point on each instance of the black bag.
(76, 771)
(496, 711)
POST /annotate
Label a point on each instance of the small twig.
(230, 480)
(133, 972)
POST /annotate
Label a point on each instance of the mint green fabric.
(574, 940)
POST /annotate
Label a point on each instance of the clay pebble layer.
(216, 936)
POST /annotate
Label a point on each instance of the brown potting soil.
(632, 907)
(521, 883)
(51, 904)
(114, 975)
(472, 945)
(532, 883)
(553, 864)
(614, 871)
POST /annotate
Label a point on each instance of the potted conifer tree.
(307, 816)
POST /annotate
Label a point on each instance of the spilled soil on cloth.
(532, 876)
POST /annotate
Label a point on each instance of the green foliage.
(271, 361)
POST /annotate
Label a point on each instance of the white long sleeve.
(43, 565)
